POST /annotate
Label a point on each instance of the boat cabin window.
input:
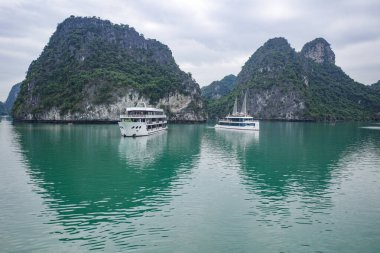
(143, 113)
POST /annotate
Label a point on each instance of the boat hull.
(256, 127)
(136, 129)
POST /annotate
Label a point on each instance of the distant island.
(6, 107)
(91, 70)
(218, 89)
(3, 110)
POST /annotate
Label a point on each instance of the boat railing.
(144, 116)
(237, 121)
(156, 122)
(147, 121)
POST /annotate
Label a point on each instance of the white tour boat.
(239, 120)
(142, 120)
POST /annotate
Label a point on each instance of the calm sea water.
(292, 187)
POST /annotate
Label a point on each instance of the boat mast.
(244, 106)
(234, 112)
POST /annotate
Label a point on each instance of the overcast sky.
(210, 39)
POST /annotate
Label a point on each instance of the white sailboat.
(239, 120)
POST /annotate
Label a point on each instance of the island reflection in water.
(144, 150)
(90, 184)
(238, 137)
(293, 182)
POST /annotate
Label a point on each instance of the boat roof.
(129, 109)
(141, 106)
(237, 116)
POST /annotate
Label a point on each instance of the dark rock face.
(12, 96)
(92, 69)
(319, 51)
(3, 109)
(218, 89)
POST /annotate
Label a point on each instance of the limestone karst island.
(91, 70)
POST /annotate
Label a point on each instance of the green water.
(292, 187)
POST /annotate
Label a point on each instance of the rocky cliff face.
(276, 103)
(286, 85)
(178, 106)
(319, 51)
(92, 69)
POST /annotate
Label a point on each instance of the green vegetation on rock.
(89, 61)
(376, 86)
(286, 85)
(220, 88)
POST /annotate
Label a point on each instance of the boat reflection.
(292, 169)
(238, 138)
(289, 166)
(144, 150)
(95, 184)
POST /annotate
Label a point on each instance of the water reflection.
(373, 126)
(290, 169)
(233, 144)
(238, 138)
(290, 173)
(142, 151)
(95, 188)
(295, 179)
(293, 187)
(303, 152)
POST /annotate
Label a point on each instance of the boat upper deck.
(152, 116)
(238, 117)
(148, 113)
(143, 112)
(145, 109)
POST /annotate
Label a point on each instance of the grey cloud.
(208, 38)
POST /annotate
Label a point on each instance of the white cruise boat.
(142, 120)
(239, 120)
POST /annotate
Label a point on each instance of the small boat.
(239, 120)
(142, 120)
